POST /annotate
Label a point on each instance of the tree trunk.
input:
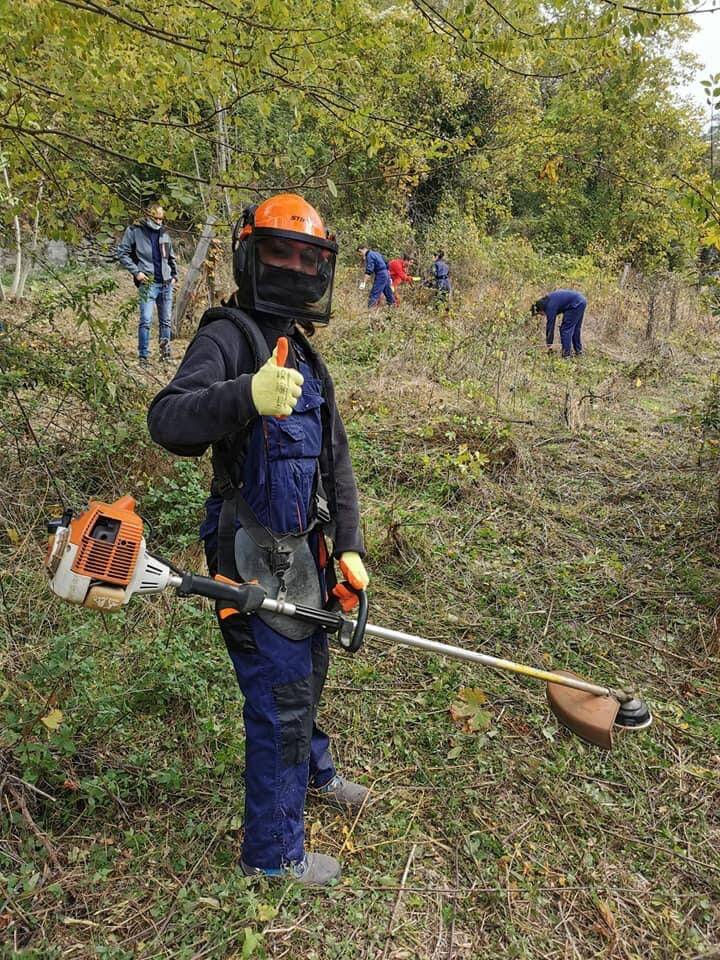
(199, 176)
(30, 260)
(223, 155)
(672, 312)
(192, 277)
(18, 234)
(624, 276)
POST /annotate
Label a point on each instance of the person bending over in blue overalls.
(377, 268)
(571, 304)
(282, 482)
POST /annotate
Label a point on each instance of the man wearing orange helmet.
(283, 481)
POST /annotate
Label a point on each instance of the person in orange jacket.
(399, 272)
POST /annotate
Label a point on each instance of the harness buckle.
(280, 562)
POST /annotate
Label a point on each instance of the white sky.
(705, 43)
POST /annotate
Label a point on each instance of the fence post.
(650, 328)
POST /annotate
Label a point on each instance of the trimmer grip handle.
(244, 597)
(351, 639)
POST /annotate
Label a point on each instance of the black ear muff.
(240, 243)
(246, 219)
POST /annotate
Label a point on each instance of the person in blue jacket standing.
(377, 268)
(571, 304)
(441, 277)
(146, 252)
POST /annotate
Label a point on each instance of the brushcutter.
(99, 560)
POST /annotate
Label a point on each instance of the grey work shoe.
(316, 870)
(344, 794)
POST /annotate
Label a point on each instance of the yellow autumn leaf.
(53, 719)
(13, 535)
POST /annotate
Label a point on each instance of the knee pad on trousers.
(295, 711)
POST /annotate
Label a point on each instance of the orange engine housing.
(108, 537)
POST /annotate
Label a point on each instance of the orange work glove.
(347, 598)
(354, 570)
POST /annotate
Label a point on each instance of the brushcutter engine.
(99, 559)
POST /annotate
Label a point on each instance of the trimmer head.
(633, 715)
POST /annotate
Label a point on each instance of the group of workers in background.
(146, 252)
(387, 276)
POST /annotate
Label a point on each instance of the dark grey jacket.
(134, 253)
(209, 399)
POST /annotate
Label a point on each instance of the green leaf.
(52, 720)
(331, 187)
(251, 942)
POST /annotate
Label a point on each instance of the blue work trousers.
(382, 286)
(570, 331)
(281, 678)
(160, 294)
(285, 750)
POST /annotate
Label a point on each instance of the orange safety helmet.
(302, 294)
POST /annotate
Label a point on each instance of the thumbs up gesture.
(276, 388)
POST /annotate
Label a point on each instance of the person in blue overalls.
(377, 268)
(441, 277)
(571, 304)
(252, 386)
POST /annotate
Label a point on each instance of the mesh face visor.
(292, 274)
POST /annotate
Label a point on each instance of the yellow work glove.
(276, 389)
(353, 570)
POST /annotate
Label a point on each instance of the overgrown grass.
(558, 513)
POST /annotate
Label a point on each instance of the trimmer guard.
(588, 716)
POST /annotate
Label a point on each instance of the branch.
(38, 133)
(660, 13)
(321, 95)
(539, 33)
(451, 30)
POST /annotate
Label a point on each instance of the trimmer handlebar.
(250, 597)
(351, 635)
(245, 597)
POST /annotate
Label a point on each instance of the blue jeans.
(162, 295)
